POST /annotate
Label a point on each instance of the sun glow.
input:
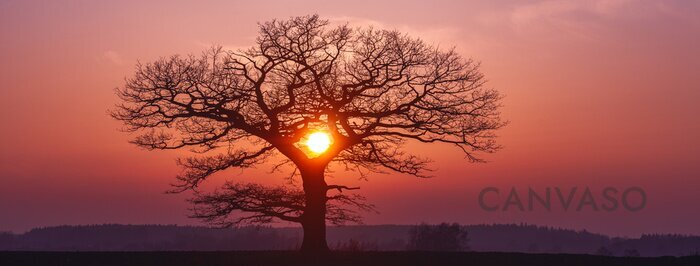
(318, 142)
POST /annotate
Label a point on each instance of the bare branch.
(372, 90)
(199, 168)
(232, 204)
(340, 188)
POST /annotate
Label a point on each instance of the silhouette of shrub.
(356, 245)
(631, 253)
(442, 237)
(603, 251)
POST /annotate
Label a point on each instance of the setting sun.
(318, 142)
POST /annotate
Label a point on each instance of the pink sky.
(599, 93)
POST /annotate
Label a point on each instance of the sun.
(318, 142)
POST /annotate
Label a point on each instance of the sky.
(598, 94)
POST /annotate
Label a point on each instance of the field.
(177, 258)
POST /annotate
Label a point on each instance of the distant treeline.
(496, 237)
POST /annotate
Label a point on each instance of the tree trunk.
(313, 220)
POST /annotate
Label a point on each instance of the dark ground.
(176, 258)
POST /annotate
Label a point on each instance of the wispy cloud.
(546, 10)
(113, 57)
(582, 20)
(228, 47)
(434, 35)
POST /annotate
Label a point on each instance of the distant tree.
(533, 248)
(556, 249)
(442, 237)
(356, 245)
(368, 90)
(631, 253)
(7, 240)
(603, 251)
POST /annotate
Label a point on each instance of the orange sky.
(598, 93)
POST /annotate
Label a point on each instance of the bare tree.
(370, 90)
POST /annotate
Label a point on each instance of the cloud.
(557, 9)
(114, 57)
(435, 35)
(206, 45)
(583, 20)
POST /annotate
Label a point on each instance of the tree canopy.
(371, 90)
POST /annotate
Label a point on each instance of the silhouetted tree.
(442, 237)
(370, 90)
(6, 240)
(603, 251)
(356, 245)
(631, 253)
